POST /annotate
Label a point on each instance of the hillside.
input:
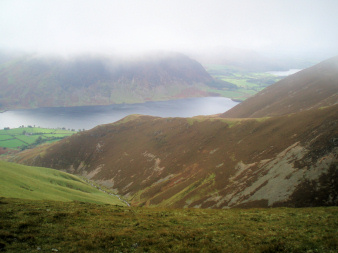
(313, 87)
(36, 183)
(207, 162)
(30, 81)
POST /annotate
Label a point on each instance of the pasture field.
(12, 143)
(29, 137)
(50, 226)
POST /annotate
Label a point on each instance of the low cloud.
(130, 26)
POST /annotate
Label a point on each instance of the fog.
(278, 27)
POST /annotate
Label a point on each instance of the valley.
(282, 155)
(170, 126)
(276, 149)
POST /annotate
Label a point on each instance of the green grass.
(5, 137)
(34, 130)
(47, 226)
(13, 144)
(36, 183)
(27, 137)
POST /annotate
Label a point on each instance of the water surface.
(284, 73)
(87, 117)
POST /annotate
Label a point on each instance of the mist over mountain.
(30, 81)
(286, 159)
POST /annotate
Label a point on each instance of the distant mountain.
(28, 82)
(284, 158)
(314, 87)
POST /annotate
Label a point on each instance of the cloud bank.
(131, 26)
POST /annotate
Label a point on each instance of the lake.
(284, 73)
(87, 117)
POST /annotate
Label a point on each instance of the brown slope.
(207, 162)
(311, 88)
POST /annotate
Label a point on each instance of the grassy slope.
(19, 181)
(46, 226)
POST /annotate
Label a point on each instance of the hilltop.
(31, 81)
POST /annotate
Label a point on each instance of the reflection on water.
(86, 117)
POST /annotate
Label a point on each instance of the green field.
(36, 183)
(238, 84)
(48, 226)
(29, 137)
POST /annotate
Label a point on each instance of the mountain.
(313, 87)
(289, 159)
(28, 82)
(25, 182)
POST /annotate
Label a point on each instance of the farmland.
(29, 137)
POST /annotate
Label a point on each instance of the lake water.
(87, 117)
(284, 73)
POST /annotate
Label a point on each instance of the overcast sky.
(68, 26)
